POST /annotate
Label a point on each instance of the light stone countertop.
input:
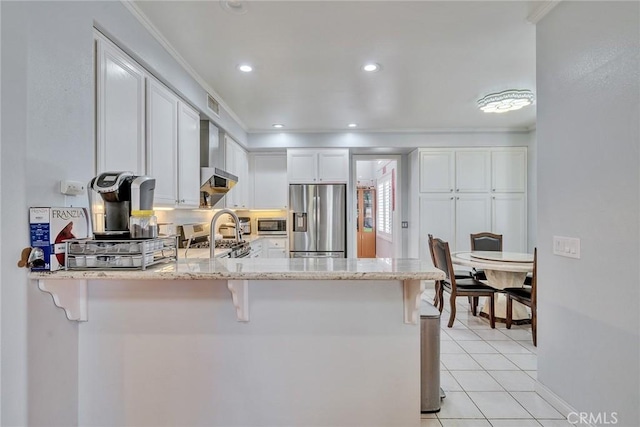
(265, 269)
(466, 259)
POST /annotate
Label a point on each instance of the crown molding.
(541, 10)
(436, 131)
(155, 33)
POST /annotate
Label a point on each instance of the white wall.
(588, 187)
(47, 115)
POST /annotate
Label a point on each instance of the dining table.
(503, 270)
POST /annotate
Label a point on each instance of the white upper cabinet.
(188, 156)
(473, 171)
(508, 170)
(237, 163)
(173, 147)
(120, 110)
(323, 166)
(437, 171)
(145, 128)
(333, 166)
(270, 187)
(162, 142)
(302, 166)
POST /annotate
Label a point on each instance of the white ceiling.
(438, 59)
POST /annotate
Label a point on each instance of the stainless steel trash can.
(430, 392)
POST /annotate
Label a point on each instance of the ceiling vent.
(213, 105)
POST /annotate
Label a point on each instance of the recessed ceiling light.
(245, 68)
(352, 125)
(237, 7)
(277, 125)
(371, 67)
(508, 100)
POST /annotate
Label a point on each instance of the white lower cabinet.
(269, 247)
(256, 249)
(276, 247)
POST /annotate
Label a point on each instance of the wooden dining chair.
(485, 241)
(468, 287)
(528, 297)
(462, 274)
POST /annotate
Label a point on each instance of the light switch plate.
(566, 246)
(405, 224)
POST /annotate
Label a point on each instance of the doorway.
(376, 207)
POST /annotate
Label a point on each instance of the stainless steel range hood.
(215, 182)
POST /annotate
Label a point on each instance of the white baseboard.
(554, 400)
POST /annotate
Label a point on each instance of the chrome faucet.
(212, 229)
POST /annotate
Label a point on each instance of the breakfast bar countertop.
(265, 269)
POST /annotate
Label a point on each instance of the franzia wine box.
(49, 228)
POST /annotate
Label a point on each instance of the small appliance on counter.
(245, 225)
(121, 195)
(274, 226)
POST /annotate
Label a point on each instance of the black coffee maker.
(120, 193)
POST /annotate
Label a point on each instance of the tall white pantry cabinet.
(458, 191)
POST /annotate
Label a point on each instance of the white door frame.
(352, 235)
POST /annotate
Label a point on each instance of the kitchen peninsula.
(248, 342)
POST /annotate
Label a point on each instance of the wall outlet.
(566, 246)
(72, 188)
(405, 224)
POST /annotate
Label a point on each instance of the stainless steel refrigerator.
(318, 220)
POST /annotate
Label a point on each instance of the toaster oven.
(272, 226)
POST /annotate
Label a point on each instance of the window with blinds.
(384, 207)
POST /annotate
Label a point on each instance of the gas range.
(240, 249)
(196, 236)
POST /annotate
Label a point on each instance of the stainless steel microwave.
(272, 226)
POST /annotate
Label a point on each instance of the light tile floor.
(488, 375)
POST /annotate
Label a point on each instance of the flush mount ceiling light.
(237, 7)
(245, 68)
(278, 125)
(371, 67)
(508, 100)
(352, 125)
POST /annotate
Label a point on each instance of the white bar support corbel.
(412, 292)
(69, 295)
(240, 296)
